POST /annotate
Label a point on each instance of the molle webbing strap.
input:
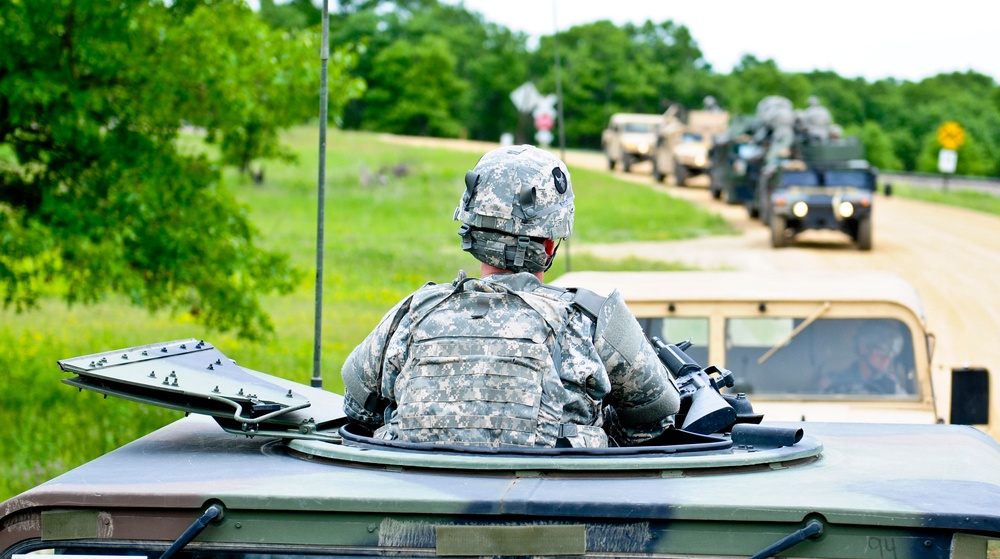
(466, 422)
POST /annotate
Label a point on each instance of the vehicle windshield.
(799, 178)
(825, 358)
(850, 177)
(692, 137)
(640, 127)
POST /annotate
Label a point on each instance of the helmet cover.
(515, 198)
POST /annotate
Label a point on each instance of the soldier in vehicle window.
(506, 360)
(875, 370)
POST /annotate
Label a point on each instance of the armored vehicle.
(274, 470)
(787, 337)
(682, 146)
(831, 187)
(629, 139)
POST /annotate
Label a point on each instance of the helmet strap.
(552, 257)
(465, 231)
(522, 249)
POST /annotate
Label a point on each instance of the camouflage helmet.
(879, 334)
(515, 198)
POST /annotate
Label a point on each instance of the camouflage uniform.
(594, 371)
(505, 360)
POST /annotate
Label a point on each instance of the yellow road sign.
(951, 135)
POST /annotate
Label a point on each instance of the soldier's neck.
(487, 270)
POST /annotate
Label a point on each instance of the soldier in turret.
(506, 360)
(816, 121)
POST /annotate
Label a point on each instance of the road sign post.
(951, 136)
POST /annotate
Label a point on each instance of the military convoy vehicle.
(736, 162)
(269, 468)
(793, 171)
(629, 139)
(683, 144)
(831, 187)
(787, 335)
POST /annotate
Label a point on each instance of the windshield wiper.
(798, 329)
(813, 528)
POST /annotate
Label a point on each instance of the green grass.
(962, 198)
(382, 242)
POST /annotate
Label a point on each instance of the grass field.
(968, 199)
(382, 242)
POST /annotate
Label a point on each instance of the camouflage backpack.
(481, 368)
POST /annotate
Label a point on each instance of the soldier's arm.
(643, 393)
(366, 366)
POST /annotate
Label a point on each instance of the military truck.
(683, 144)
(629, 139)
(736, 162)
(832, 187)
(786, 334)
(268, 468)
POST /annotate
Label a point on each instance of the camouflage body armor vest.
(481, 368)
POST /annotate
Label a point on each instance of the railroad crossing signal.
(951, 135)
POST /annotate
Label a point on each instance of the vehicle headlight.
(800, 209)
(699, 160)
(846, 209)
(642, 148)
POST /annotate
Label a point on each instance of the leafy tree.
(411, 88)
(292, 15)
(268, 79)
(752, 80)
(878, 146)
(96, 196)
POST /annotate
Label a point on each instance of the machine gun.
(704, 409)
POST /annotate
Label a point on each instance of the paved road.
(951, 256)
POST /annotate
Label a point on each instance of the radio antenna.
(324, 54)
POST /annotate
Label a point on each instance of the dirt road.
(951, 256)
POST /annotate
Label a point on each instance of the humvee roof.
(635, 117)
(797, 285)
(911, 486)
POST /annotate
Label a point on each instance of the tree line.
(439, 69)
(99, 193)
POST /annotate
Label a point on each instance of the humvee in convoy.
(629, 139)
(794, 171)
(788, 337)
(831, 187)
(683, 144)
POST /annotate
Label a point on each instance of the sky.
(872, 39)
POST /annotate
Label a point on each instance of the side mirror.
(970, 396)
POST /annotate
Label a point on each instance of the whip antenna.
(324, 54)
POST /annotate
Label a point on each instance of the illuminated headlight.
(846, 209)
(800, 209)
(642, 148)
(699, 161)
